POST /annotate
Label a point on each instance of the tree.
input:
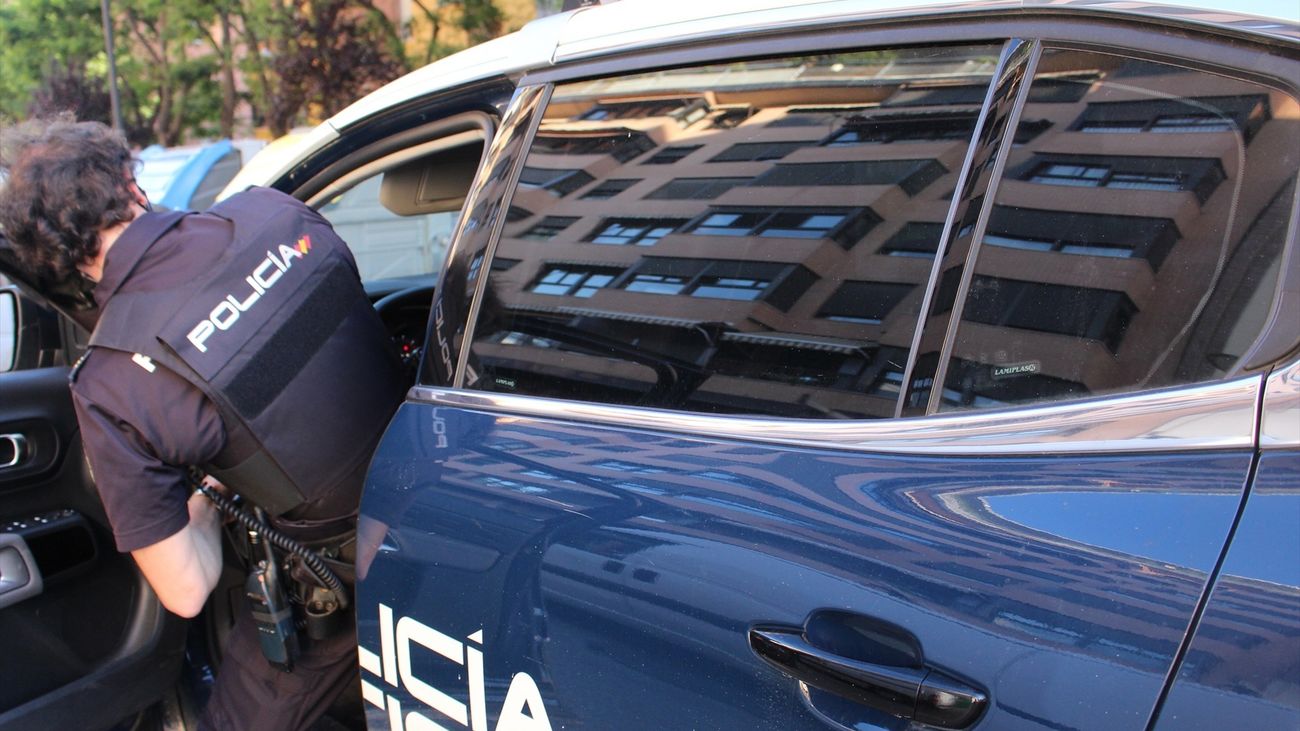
(180, 61)
(315, 57)
(170, 79)
(67, 89)
(34, 33)
(469, 22)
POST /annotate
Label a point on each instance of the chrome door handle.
(919, 694)
(13, 450)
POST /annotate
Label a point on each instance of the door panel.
(621, 571)
(94, 631)
(1244, 661)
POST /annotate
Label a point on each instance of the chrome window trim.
(1280, 414)
(528, 108)
(1216, 416)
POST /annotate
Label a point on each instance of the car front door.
(85, 641)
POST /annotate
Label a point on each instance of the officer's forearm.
(206, 520)
(183, 568)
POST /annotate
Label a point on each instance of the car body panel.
(1244, 660)
(591, 558)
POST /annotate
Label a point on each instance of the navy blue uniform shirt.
(140, 423)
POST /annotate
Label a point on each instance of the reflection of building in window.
(1193, 114)
(622, 145)
(1090, 234)
(499, 264)
(864, 302)
(609, 188)
(936, 95)
(755, 151)
(917, 239)
(639, 231)
(989, 385)
(894, 128)
(1199, 175)
(730, 288)
(774, 283)
(573, 280)
(910, 175)
(731, 118)
(685, 111)
(670, 155)
(1082, 312)
(558, 182)
(696, 188)
(549, 227)
(791, 359)
(845, 225)
(637, 109)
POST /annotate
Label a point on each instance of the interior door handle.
(13, 450)
(920, 694)
(20, 578)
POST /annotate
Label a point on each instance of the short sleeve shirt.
(141, 424)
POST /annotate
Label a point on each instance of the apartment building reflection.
(758, 238)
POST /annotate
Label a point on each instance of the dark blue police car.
(816, 366)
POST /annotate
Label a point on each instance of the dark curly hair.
(67, 181)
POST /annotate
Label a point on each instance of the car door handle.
(13, 450)
(920, 694)
(20, 578)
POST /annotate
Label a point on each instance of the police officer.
(237, 340)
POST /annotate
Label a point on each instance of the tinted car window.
(1133, 244)
(750, 238)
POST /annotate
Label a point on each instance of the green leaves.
(187, 67)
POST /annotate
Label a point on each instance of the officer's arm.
(183, 568)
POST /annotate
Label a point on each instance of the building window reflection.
(556, 182)
(639, 231)
(609, 188)
(757, 151)
(549, 227)
(695, 188)
(864, 302)
(670, 155)
(846, 225)
(573, 281)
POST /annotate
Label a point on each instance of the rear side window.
(754, 238)
(1133, 244)
(760, 238)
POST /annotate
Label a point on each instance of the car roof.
(643, 24)
(639, 24)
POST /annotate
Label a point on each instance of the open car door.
(84, 641)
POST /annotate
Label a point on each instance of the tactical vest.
(281, 337)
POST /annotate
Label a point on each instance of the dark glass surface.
(1135, 244)
(754, 266)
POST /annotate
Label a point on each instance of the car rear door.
(85, 641)
(899, 384)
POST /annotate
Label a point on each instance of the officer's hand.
(215, 484)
